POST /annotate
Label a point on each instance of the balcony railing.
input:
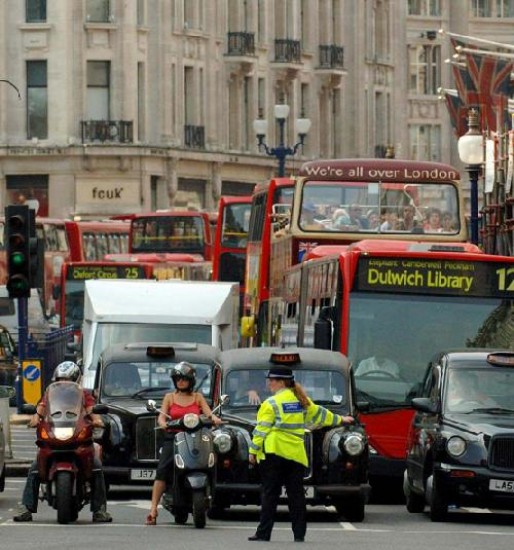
(194, 136)
(107, 131)
(331, 57)
(240, 43)
(287, 51)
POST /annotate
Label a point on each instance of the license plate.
(309, 492)
(142, 474)
(501, 485)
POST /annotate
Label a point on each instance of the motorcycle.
(66, 449)
(194, 466)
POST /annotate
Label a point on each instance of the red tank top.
(178, 411)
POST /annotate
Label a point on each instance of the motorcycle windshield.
(64, 403)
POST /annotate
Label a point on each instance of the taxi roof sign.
(501, 359)
(285, 358)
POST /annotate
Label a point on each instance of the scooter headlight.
(222, 442)
(191, 420)
(63, 433)
(353, 444)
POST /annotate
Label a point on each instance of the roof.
(462, 357)
(167, 301)
(136, 352)
(258, 358)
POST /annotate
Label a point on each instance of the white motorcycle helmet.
(67, 370)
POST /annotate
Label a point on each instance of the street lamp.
(281, 151)
(471, 153)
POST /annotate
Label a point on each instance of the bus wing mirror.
(247, 326)
(56, 292)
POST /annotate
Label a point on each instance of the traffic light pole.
(23, 332)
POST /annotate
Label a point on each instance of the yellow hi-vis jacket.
(281, 424)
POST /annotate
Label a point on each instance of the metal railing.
(113, 131)
(331, 57)
(287, 51)
(194, 136)
(240, 43)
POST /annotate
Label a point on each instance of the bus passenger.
(447, 223)
(391, 222)
(373, 219)
(408, 222)
(433, 221)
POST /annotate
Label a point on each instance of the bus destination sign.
(82, 273)
(422, 276)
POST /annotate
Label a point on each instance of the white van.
(120, 311)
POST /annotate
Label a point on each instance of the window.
(37, 100)
(141, 12)
(97, 11)
(424, 69)
(425, 7)
(492, 8)
(425, 142)
(98, 86)
(35, 11)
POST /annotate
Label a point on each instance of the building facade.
(136, 105)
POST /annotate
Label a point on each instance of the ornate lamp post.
(281, 151)
(471, 153)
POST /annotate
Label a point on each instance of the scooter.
(194, 467)
(66, 449)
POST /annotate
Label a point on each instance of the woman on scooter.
(176, 404)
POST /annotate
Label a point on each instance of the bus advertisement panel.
(390, 306)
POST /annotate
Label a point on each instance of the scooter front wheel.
(199, 509)
(64, 498)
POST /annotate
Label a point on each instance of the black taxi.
(460, 449)
(337, 474)
(128, 375)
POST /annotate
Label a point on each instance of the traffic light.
(37, 253)
(17, 237)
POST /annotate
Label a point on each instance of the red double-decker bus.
(338, 202)
(389, 306)
(91, 240)
(229, 250)
(183, 232)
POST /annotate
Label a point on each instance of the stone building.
(136, 105)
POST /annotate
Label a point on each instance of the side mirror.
(424, 404)
(151, 405)
(225, 399)
(100, 409)
(362, 406)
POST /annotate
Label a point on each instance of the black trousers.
(277, 472)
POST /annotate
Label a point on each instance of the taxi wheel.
(351, 508)
(438, 502)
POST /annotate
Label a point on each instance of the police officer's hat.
(280, 373)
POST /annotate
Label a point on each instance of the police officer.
(278, 447)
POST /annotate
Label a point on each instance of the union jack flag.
(458, 112)
(491, 79)
(304, 247)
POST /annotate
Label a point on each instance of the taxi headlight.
(191, 420)
(222, 442)
(353, 444)
(456, 446)
(63, 433)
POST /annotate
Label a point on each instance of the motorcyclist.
(65, 371)
(176, 404)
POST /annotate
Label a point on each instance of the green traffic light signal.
(18, 259)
